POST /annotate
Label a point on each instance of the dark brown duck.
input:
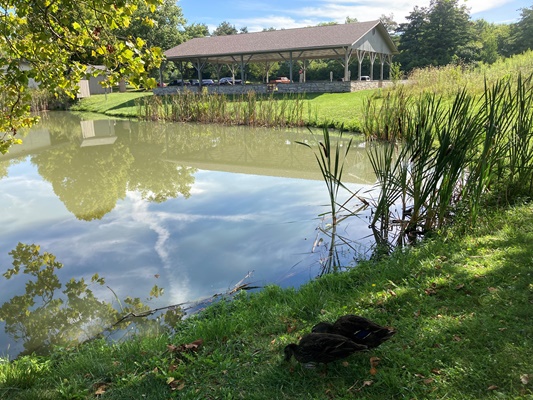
(358, 329)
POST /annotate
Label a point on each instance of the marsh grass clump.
(246, 109)
(445, 154)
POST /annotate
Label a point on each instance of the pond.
(191, 209)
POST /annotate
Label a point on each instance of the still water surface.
(190, 208)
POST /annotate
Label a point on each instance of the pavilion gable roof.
(312, 42)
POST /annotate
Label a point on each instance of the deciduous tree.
(53, 39)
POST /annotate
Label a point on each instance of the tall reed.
(449, 154)
(245, 109)
(331, 156)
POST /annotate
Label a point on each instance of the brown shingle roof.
(315, 42)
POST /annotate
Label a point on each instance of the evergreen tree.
(522, 31)
(434, 35)
(225, 28)
(412, 37)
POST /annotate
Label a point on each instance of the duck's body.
(322, 348)
(358, 329)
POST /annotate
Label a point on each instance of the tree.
(412, 37)
(196, 30)
(486, 38)
(167, 31)
(522, 31)
(225, 28)
(434, 35)
(52, 37)
(390, 24)
(448, 29)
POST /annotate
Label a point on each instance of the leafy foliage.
(51, 43)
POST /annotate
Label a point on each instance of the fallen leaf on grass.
(171, 348)
(345, 363)
(175, 385)
(428, 381)
(194, 345)
(374, 361)
(365, 383)
(457, 338)
(436, 371)
(100, 390)
(492, 387)
(460, 286)
(525, 378)
(492, 289)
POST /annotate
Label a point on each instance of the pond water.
(190, 208)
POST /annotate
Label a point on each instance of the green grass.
(461, 303)
(112, 104)
(330, 109)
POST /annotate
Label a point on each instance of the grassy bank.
(461, 303)
(332, 109)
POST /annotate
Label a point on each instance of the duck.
(358, 329)
(315, 348)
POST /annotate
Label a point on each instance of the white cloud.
(338, 10)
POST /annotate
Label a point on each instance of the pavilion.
(345, 42)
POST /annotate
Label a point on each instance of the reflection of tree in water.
(88, 180)
(150, 174)
(4, 166)
(63, 126)
(49, 313)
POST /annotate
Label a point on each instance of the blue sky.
(259, 14)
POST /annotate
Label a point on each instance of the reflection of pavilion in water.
(93, 133)
(218, 148)
(97, 132)
(292, 161)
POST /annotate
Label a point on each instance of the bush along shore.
(461, 304)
